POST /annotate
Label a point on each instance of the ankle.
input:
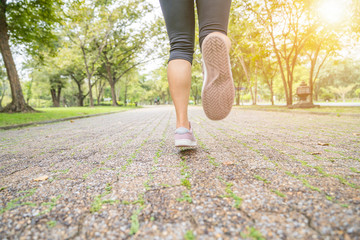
(185, 124)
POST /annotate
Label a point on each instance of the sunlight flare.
(332, 11)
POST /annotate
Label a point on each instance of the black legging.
(180, 23)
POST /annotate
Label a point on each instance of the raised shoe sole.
(218, 91)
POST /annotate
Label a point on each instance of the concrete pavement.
(254, 175)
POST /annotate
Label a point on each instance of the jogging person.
(218, 87)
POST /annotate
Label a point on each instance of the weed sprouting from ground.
(189, 235)
(261, 179)
(51, 205)
(98, 202)
(230, 194)
(252, 233)
(51, 223)
(186, 197)
(277, 192)
(135, 221)
(15, 202)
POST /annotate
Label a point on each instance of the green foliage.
(51, 223)
(189, 235)
(135, 221)
(261, 179)
(186, 183)
(31, 23)
(186, 197)
(98, 202)
(252, 233)
(17, 201)
(277, 192)
(326, 95)
(231, 194)
(50, 205)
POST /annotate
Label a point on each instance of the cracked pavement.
(254, 175)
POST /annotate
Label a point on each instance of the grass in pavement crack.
(343, 155)
(261, 179)
(230, 194)
(321, 171)
(51, 223)
(186, 197)
(135, 221)
(277, 192)
(189, 235)
(99, 202)
(51, 205)
(185, 180)
(86, 175)
(135, 215)
(140, 200)
(134, 154)
(304, 163)
(61, 171)
(303, 180)
(156, 157)
(252, 233)
(15, 202)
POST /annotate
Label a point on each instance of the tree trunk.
(90, 93)
(98, 99)
(272, 96)
(238, 98)
(290, 102)
(55, 97)
(80, 96)
(311, 80)
(18, 103)
(255, 89)
(113, 94)
(125, 95)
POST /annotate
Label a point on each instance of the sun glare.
(332, 11)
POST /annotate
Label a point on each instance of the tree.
(242, 51)
(125, 42)
(29, 23)
(54, 79)
(69, 59)
(99, 89)
(269, 71)
(283, 22)
(342, 91)
(88, 28)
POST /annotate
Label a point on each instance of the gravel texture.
(254, 175)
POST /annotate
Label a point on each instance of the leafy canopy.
(31, 22)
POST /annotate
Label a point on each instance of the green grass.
(189, 235)
(46, 114)
(252, 233)
(186, 197)
(135, 221)
(327, 109)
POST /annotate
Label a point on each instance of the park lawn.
(46, 114)
(324, 109)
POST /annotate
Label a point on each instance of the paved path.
(275, 175)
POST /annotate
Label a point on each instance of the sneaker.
(218, 90)
(184, 137)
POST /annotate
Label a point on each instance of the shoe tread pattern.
(218, 93)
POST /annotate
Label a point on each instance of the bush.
(326, 95)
